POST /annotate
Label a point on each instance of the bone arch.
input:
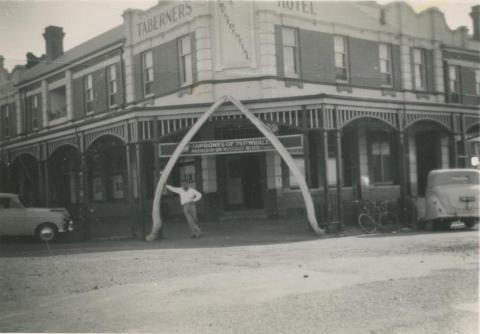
(156, 215)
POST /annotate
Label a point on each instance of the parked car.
(43, 223)
(451, 199)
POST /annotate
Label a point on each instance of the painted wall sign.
(234, 24)
(162, 18)
(232, 28)
(244, 145)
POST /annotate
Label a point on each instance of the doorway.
(243, 181)
(428, 156)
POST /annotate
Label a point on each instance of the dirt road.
(395, 283)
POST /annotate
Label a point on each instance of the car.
(451, 199)
(43, 223)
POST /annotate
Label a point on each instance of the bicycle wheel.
(389, 221)
(367, 223)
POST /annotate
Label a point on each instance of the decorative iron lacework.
(117, 130)
(290, 117)
(346, 115)
(52, 146)
(412, 117)
(33, 150)
(471, 121)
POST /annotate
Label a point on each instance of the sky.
(22, 23)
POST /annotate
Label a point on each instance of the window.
(147, 70)
(5, 114)
(477, 82)
(419, 69)
(385, 55)
(112, 85)
(453, 84)
(33, 111)
(341, 58)
(290, 50)
(381, 157)
(185, 51)
(88, 84)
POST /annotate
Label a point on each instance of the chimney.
(53, 42)
(475, 14)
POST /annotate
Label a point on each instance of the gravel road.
(392, 283)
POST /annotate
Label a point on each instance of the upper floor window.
(33, 108)
(477, 81)
(112, 85)
(385, 55)
(147, 70)
(341, 58)
(185, 52)
(453, 83)
(290, 51)
(419, 75)
(88, 88)
(5, 116)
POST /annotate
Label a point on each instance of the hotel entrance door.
(243, 181)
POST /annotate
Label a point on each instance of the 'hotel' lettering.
(299, 6)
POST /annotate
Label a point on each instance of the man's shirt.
(186, 196)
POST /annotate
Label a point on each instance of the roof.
(9, 195)
(450, 170)
(95, 44)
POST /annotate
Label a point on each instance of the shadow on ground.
(175, 236)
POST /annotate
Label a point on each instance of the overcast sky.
(23, 22)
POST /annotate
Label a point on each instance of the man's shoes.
(151, 237)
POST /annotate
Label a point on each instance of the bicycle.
(376, 216)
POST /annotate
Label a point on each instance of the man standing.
(188, 197)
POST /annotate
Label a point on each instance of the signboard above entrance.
(229, 146)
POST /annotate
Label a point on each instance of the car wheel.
(470, 223)
(420, 225)
(46, 232)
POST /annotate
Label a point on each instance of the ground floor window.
(381, 160)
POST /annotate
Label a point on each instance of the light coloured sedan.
(43, 223)
(451, 199)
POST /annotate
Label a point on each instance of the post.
(453, 142)
(46, 182)
(465, 161)
(326, 198)
(138, 155)
(339, 170)
(401, 174)
(83, 199)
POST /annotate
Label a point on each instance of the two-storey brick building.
(368, 97)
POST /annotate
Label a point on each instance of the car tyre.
(46, 232)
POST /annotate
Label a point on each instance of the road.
(393, 283)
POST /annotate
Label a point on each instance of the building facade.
(368, 98)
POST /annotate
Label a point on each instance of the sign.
(305, 7)
(228, 146)
(163, 18)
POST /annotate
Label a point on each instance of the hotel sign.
(161, 18)
(228, 146)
